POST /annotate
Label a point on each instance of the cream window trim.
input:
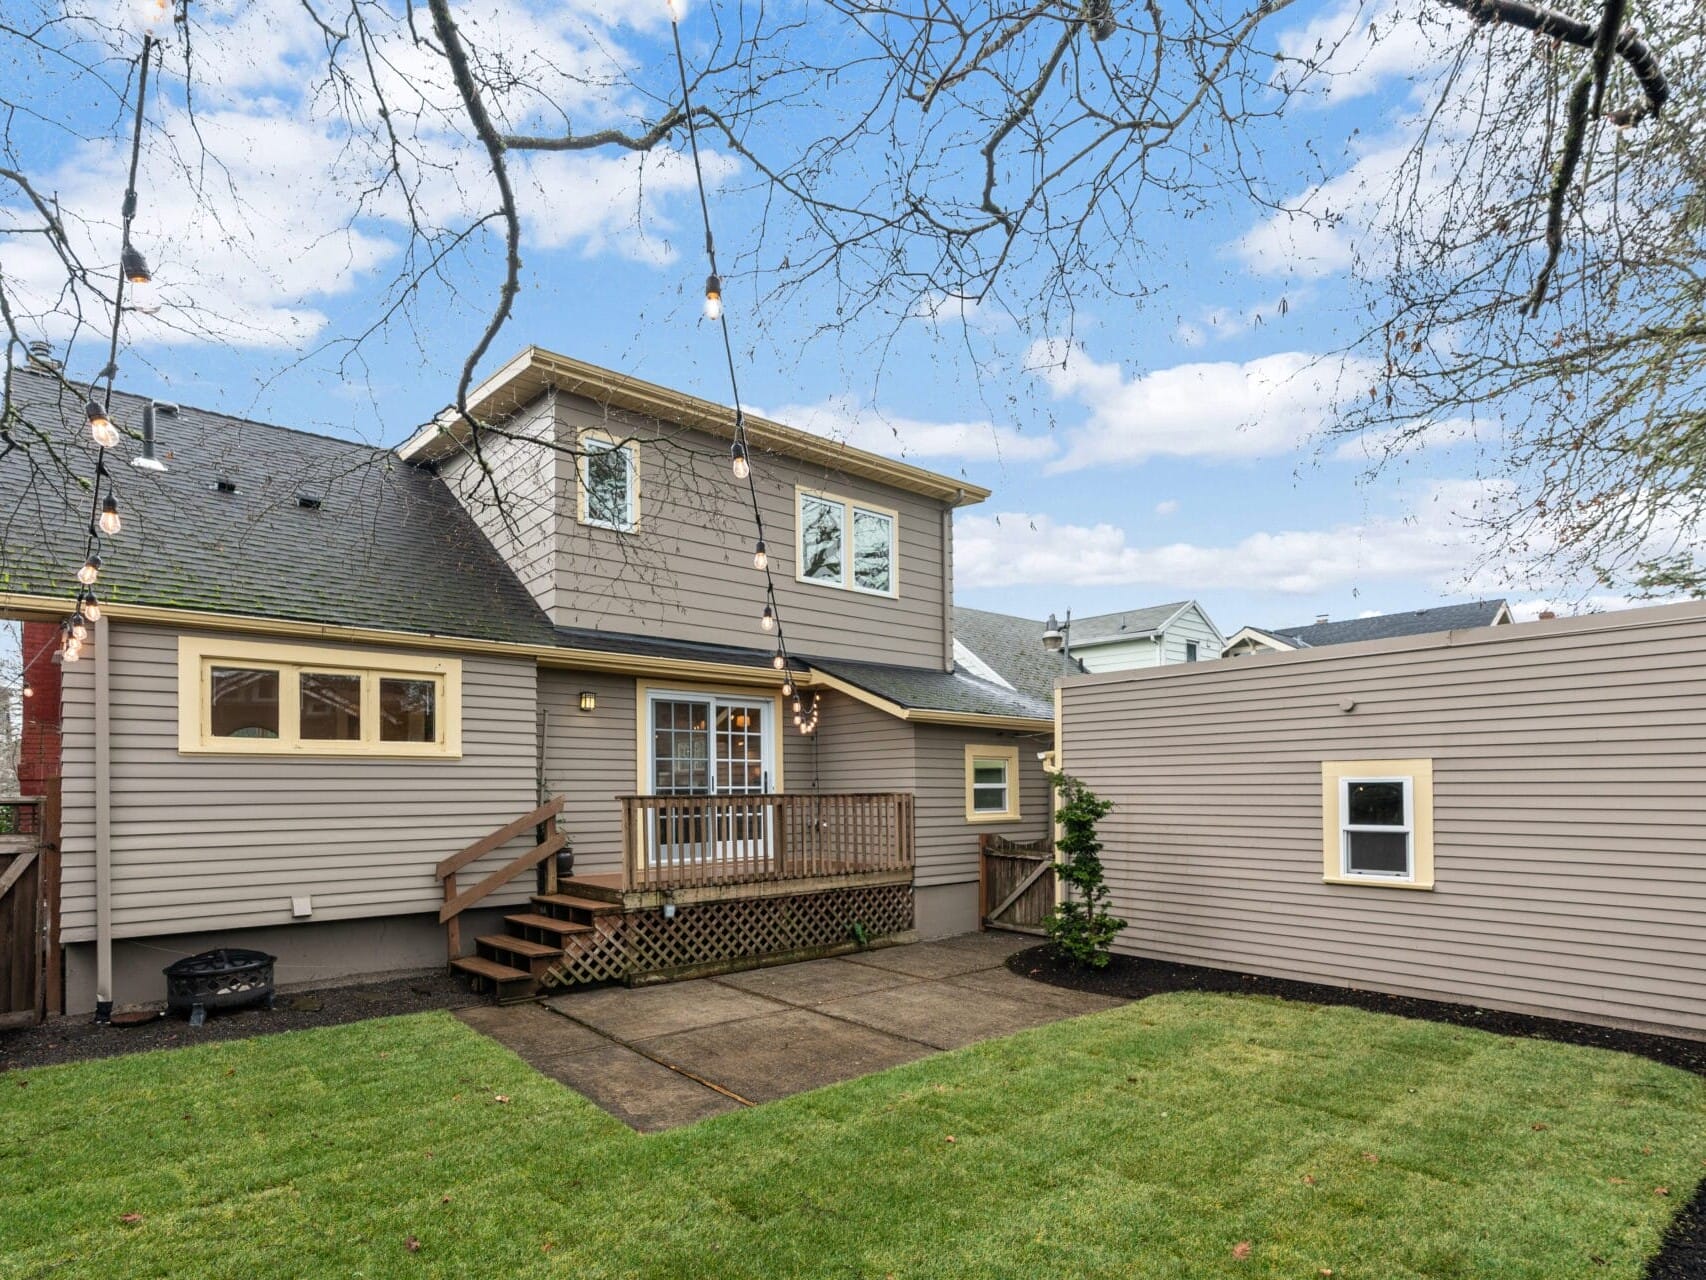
(1008, 756)
(605, 442)
(646, 692)
(198, 655)
(850, 510)
(1419, 774)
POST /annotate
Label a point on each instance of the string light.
(135, 266)
(29, 691)
(90, 573)
(768, 619)
(787, 688)
(79, 628)
(740, 464)
(100, 426)
(779, 661)
(713, 297)
(760, 557)
(150, 14)
(91, 607)
(109, 522)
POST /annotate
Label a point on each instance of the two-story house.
(342, 704)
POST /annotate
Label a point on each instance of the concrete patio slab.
(530, 1031)
(1002, 982)
(639, 1092)
(772, 1057)
(642, 1013)
(815, 981)
(993, 944)
(942, 1015)
(926, 959)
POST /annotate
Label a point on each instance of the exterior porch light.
(760, 557)
(90, 573)
(739, 462)
(589, 701)
(100, 426)
(713, 297)
(110, 523)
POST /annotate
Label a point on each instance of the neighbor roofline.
(534, 371)
(927, 715)
(1285, 646)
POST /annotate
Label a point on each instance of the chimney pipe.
(41, 355)
(1546, 615)
(147, 461)
(1320, 619)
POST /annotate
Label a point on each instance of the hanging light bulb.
(135, 266)
(151, 15)
(100, 426)
(29, 691)
(79, 628)
(742, 468)
(778, 662)
(109, 522)
(91, 607)
(768, 619)
(713, 297)
(787, 688)
(796, 706)
(90, 573)
(143, 297)
(760, 557)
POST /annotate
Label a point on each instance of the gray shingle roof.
(1013, 648)
(389, 546)
(654, 647)
(924, 690)
(1389, 626)
(1117, 626)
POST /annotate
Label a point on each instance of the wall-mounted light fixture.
(589, 701)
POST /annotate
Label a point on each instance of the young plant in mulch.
(1081, 926)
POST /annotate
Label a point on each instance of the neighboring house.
(1380, 626)
(1149, 637)
(1009, 650)
(1506, 816)
(325, 668)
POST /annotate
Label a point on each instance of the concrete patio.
(658, 1057)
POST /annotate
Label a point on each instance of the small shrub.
(1082, 926)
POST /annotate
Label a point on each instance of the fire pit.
(224, 978)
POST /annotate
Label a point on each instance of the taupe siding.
(686, 572)
(947, 843)
(1570, 824)
(209, 842)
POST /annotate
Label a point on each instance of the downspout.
(948, 582)
(103, 825)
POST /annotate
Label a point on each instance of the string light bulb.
(91, 607)
(100, 426)
(778, 662)
(29, 691)
(739, 462)
(90, 573)
(73, 650)
(109, 522)
(677, 10)
(79, 628)
(713, 297)
(760, 557)
(787, 688)
(768, 619)
(135, 266)
(152, 14)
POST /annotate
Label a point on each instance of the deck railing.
(676, 842)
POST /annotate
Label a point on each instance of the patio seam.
(634, 1048)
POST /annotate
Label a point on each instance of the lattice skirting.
(638, 944)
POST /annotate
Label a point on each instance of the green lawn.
(1149, 1141)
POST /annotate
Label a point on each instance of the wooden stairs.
(511, 966)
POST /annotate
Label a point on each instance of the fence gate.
(22, 918)
(1015, 883)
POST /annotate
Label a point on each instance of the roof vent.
(309, 501)
(1320, 619)
(165, 406)
(41, 355)
(225, 486)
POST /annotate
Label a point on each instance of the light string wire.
(86, 595)
(741, 450)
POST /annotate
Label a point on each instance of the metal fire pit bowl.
(224, 978)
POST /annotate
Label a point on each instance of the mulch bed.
(78, 1038)
(1683, 1254)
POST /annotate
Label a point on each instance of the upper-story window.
(609, 483)
(846, 544)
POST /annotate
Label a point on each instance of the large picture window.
(249, 698)
(846, 544)
(1378, 822)
(609, 483)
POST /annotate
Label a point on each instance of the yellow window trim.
(1008, 755)
(643, 690)
(1421, 775)
(632, 447)
(197, 655)
(848, 507)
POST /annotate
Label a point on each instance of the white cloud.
(1436, 543)
(1261, 408)
(841, 418)
(1377, 446)
(1357, 47)
(1167, 507)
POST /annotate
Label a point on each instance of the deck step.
(548, 924)
(519, 946)
(490, 970)
(602, 888)
(592, 906)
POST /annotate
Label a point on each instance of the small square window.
(1379, 822)
(992, 784)
(408, 710)
(331, 706)
(1190, 651)
(243, 702)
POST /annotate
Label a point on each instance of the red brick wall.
(38, 749)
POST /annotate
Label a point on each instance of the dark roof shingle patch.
(1389, 626)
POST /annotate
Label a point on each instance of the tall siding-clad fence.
(1568, 762)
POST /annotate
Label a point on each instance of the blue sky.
(1165, 450)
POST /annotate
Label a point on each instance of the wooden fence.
(1016, 883)
(676, 842)
(29, 898)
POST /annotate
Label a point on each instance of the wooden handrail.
(502, 836)
(673, 842)
(502, 876)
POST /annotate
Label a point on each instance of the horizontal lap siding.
(212, 842)
(686, 573)
(513, 497)
(1570, 814)
(947, 843)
